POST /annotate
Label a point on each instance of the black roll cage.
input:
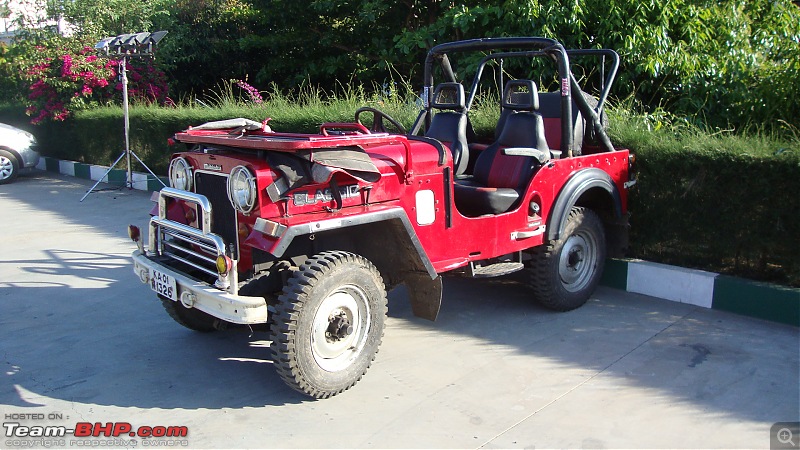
(525, 47)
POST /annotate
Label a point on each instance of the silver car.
(17, 152)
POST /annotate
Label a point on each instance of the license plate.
(163, 284)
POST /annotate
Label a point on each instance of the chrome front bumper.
(196, 294)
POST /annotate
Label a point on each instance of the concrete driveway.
(83, 342)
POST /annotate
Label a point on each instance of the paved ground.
(82, 340)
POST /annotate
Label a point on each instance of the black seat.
(504, 169)
(449, 124)
(550, 109)
(505, 111)
(475, 148)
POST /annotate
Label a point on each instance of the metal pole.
(124, 69)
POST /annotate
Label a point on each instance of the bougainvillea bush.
(64, 80)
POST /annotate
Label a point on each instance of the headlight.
(242, 189)
(180, 174)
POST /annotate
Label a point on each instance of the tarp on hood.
(351, 160)
(242, 123)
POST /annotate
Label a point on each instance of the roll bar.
(530, 47)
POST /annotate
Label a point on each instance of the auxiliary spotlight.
(123, 47)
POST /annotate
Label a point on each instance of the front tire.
(329, 323)
(565, 272)
(9, 167)
(191, 318)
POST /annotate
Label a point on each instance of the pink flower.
(56, 83)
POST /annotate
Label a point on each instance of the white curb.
(678, 284)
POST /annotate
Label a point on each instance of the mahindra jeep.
(303, 234)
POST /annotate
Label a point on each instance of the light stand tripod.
(126, 46)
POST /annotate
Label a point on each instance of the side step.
(495, 269)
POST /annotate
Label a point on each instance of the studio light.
(124, 47)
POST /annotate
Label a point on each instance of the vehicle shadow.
(77, 325)
(712, 360)
(111, 343)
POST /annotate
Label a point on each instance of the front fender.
(275, 238)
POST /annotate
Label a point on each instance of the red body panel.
(406, 167)
(488, 236)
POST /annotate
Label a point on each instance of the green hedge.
(97, 136)
(716, 208)
(722, 203)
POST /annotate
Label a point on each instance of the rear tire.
(565, 272)
(191, 318)
(9, 167)
(329, 323)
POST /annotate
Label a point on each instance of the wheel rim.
(578, 261)
(340, 329)
(6, 168)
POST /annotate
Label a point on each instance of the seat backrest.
(550, 108)
(524, 128)
(449, 124)
(505, 112)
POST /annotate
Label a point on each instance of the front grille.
(187, 247)
(223, 217)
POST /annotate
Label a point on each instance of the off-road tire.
(9, 167)
(191, 318)
(310, 357)
(564, 273)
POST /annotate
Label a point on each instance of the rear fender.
(579, 187)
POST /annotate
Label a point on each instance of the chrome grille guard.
(185, 240)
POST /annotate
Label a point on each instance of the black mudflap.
(425, 295)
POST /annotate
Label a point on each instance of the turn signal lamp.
(134, 233)
(224, 265)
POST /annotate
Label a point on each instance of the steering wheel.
(377, 120)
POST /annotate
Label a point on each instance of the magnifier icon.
(785, 436)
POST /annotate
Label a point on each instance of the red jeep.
(303, 234)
